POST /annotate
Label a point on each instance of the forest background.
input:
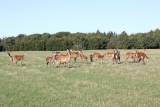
(60, 41)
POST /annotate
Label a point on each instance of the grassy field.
(82, 85)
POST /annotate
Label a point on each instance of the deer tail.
(147, 58)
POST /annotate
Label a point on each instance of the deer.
(109, 54)
(91, 57)
(10, 57)
(74, 55)
(116, 56)
(51, 59)
(95, 55)
(130, 55)
(141, 56)
(16, 58)
(82, 57)
(63, 58)
(100, 58)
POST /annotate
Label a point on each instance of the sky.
(86, 16)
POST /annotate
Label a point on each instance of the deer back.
(64, 58)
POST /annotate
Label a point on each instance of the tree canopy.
(89, 41)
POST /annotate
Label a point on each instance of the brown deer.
(91, 57)
(109, 54)
(82, 57)
(95, 55)
(130, 55)
(74, 55)
(116, 56)
(63, 58)
(141, 56)
(51, 59)
(16, 58)
(100, 58)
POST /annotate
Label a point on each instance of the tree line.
(89, 41)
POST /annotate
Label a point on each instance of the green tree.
(122, 41)
(134, 43)
(112, 43)
(149, 42)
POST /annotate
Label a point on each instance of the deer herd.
(58, 58)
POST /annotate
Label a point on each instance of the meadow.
(82, 85)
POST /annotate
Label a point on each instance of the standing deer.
(63, 58)
(74, 55)
(51, 59)
(16, 58)
(100, 58)
(141, 56)
(82, 57)
(116, 56)
(130, 55)
(109, 54)
(95, 55)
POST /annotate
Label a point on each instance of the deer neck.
(69, 56)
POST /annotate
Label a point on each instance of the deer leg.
(47, 64)
(14, 62)
(113, 61)
(21, 63)
(143, 61)
(64, 65)
(139, 60)
(68, 65)
(52, 63)
(90, 59)
(58, 64)
(11, 62)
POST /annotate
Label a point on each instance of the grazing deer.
(95, 55)
(16, 58)
(130, 55)
(141, 56)
(116, 56)
(51, 59)
(109, 54)
(82, 57)
(74, 55)
(63, 58)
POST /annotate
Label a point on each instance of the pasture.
(83, 85)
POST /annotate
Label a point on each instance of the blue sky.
(52, 16)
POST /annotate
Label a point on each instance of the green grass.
(82, 85)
